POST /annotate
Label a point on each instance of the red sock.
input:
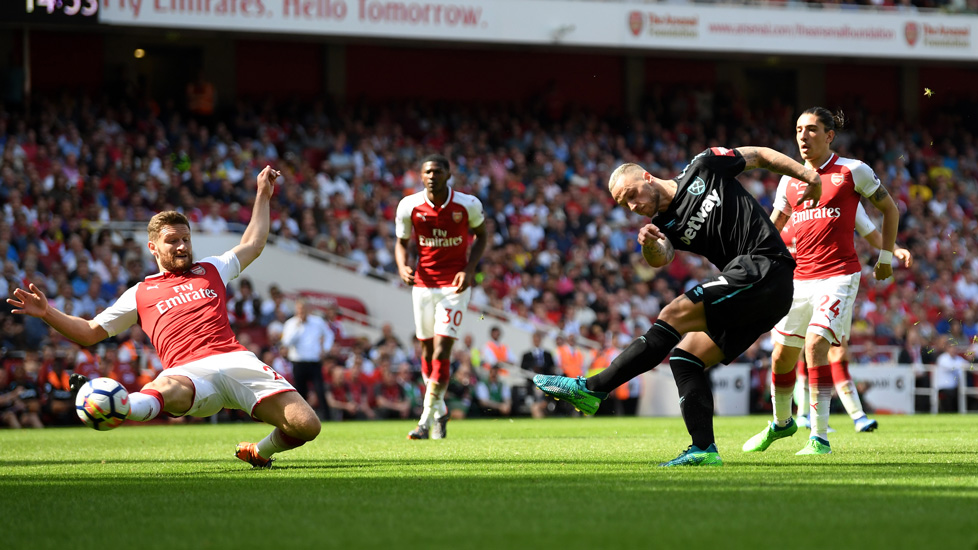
(154, 393)
(840, 371)
(425, 369)
(441, 370)
(786, 380)
(801, 368)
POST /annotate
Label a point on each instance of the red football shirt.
(184, 314)
(823, 236)
(441, 233)
(864, 226)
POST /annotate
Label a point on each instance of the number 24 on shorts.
(453, 318)
(834, 308)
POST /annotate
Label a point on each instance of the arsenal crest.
(635, 22)
(911, 31)
(837, 179)
(456, 217)
(197, 270)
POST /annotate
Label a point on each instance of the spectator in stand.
(495, 353)
(308, 340)
(53, 378)
(14, 412)
(389, 396)
(538, 360)
(20, 394)
(461, 390)
(948, 373)
(492, 395)
(245, 307)
(125, 373)
(342, 406)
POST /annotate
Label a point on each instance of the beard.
(176, 264)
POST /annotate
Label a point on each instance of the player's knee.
(817, 349)
(306, 426)
(683, 315)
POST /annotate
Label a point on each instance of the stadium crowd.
(563, 259)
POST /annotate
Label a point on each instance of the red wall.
(693, 72)
(280, 70)
(877, 87)
(66, 61)
(376, 72)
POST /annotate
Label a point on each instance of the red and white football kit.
(185, 316)
(827, 276)
(441, 233)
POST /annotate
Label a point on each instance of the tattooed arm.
(656, 247)
(769, 159)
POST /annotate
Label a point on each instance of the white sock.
(781, 389)
(439, 408)
(430, 398)
(276, 442)
(850, 398)
(143, 407)
(820, 394)
(801, 395)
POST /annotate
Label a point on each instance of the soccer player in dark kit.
(707, 211)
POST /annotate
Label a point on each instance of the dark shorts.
(747, 299)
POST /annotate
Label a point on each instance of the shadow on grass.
(611, 509)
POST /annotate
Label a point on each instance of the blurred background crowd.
(563, 260)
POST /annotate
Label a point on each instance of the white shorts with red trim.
(235, 380)
(439, 311)
(820, 306)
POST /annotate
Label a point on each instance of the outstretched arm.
(256, 234)
(33, 302)
(769, 159)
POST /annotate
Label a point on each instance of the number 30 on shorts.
(834, 308)
(453, 318)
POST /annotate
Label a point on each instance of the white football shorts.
(439, 311)
(235, 380)
(821, 306)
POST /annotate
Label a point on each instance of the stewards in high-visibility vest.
(495, 352)
(570, 358)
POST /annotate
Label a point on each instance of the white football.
(102, 404)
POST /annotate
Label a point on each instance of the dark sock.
(642, 355)
(695, 396)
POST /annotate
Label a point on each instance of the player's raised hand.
(462, 281)
(904, 256)
(266, 180)
(31, 302)
(407, 274)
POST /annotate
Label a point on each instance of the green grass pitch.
(495, 484)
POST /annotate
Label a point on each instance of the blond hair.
(164, 219)
(620, 171)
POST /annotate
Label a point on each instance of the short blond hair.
(164, 219)
(621, 171)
